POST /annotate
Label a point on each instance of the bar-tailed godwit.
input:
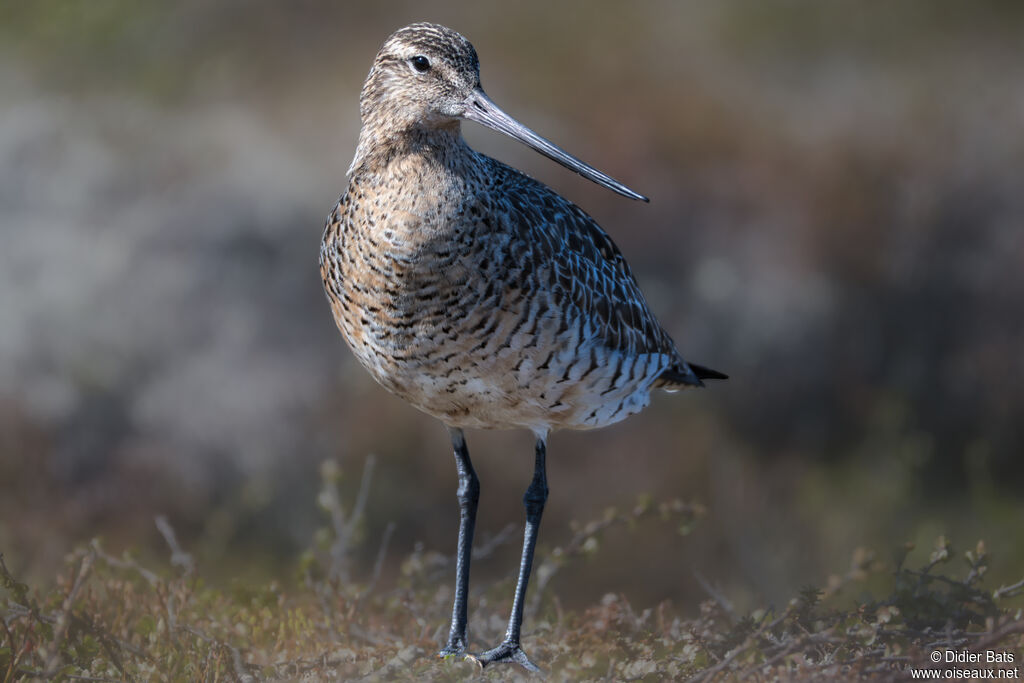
(478, 294)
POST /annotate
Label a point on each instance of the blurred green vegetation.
(836, 222)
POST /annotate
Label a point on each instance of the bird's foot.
(454, 648)
(507, 652)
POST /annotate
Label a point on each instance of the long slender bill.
(481, 109)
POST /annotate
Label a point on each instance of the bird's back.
(491, 301)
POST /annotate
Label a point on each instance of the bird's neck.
(381, 145)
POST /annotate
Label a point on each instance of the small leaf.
(146, 626)
(885, 614)
(941, 552)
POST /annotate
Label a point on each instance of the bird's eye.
(420, 63)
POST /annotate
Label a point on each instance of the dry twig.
(64, 618)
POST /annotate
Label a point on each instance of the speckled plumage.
(478, 294)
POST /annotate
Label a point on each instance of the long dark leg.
(468, 495)
(533, 500)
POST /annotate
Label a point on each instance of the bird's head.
(423, 77)
(426, 77)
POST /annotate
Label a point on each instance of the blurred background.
(837, 221)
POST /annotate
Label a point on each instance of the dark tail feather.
(689, 375)
(707, 373)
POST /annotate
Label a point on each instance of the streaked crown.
(422, 76)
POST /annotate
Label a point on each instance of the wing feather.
(586, 265)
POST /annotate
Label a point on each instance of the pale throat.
(382, 142)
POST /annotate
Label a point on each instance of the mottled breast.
(489, 301)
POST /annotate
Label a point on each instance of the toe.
(506, 653)
(452, 650)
